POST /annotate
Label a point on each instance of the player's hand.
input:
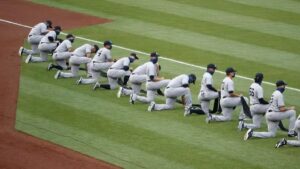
(292, 108)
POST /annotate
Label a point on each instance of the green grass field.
(251, 35)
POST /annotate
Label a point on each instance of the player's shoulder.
(207, 75)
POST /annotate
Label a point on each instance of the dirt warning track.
(19, 150)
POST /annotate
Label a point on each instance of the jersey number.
(251, 92)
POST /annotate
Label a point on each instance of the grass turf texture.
(97, 124)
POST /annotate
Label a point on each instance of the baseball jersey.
(179, 81)
(121, 63)
(148, 69)
(276, 101)
(226, 87)
(83, 50)
(64, 46)
(255, 92)
(49, 34)
(206, 80)
(38, 29)
(102, 55)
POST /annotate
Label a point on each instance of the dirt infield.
(18, 150)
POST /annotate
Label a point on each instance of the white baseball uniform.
(297, 129)
(116, 71)
(175, 89)
(151, 86)
(257, 110)
(78, 57)
(138, 77)
(62, 53)
(228, 103)
(205, 94)
(101, 62)
(34, 38)
(274, 115)
(45, 47)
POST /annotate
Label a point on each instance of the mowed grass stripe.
(245, 51)
(217, 16)
(144, 120)
(283, 5)
(189, 24)
(110, 140)
(246, 10)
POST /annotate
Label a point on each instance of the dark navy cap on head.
(212, 66)
(154, 54)
(280, 83)
(230, 70)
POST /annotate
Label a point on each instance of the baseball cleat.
(57, 75)
(28, 59)
(294, 134)
(248, 134)
(241, 125)
(132, 98)
(78, 82)
(187, 111)
(151, 106)
(120, 92)
(208, 118)
(50, 66)
(21, 51)
(97, 85)
(281, 143)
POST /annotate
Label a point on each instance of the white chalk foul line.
(144, 53)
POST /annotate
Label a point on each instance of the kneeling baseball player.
(81, 55)
(62, 53)
(34, 37)
(101, 62)
(258, 106)
(229, 99)
(47, 46)
(275, 113)
(139, 76)
(179, 86)
(119, 71)
(154, 82)
(207, 91)
(295, 143)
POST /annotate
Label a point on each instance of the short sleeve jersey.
(121, 63)
(103, 55)
(179, 81)
(276, 101)
(38, 29)
(226, 87)
(64, 46)
(206, 80)
(49, 34)
(255, 93)
(83, 50)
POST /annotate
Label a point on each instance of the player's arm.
(89, 54)
(284, 109)
(262, 101)
(232, 94)
(210, 87)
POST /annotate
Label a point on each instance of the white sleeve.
(151, 70)
(68, 44)
(208, 80)
(185, 80)
(230, 86)
(259, 93)
(44, 28)
(108, 55)
(88, 49)
(126, 62)
(280, 101)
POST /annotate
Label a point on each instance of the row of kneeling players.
(100, 63)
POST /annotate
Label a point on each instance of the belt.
(224, 97)
(29, 35)
(270, 110)
(254, 104)
(97, 62)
